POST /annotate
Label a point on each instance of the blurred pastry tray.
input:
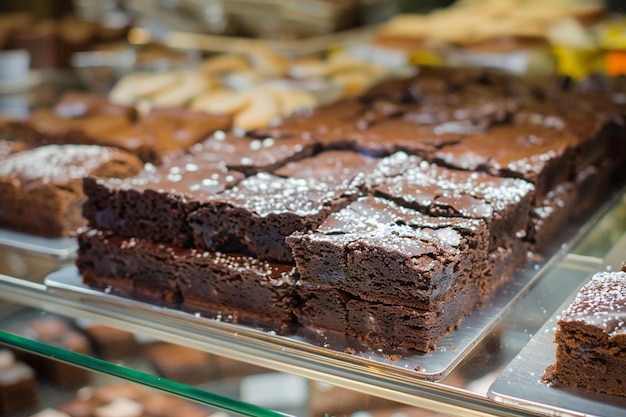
(312, 45)
(520, 384)
(61, 248)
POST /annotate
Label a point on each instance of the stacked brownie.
(388, 217)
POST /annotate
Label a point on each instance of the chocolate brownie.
(383, 253)
(108, 342)
(158, 132)
(338, 165)
(155, 203)
(48, 180)
(591, 123)
(249, 154)
(180, 363)
(591, 337)
(566, 202)
(399, 134)
(19, 389)
(63, 123)
(540, 155)
(503, 203)
(55, 331)
(385, 325)
(256, 215)
(329, 125)
(204, 282)
(79, 118)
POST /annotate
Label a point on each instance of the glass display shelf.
(586, 247)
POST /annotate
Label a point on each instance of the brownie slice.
(250, 154)
(542, 156)
(48, 180)
(591, 337)
(333, 165)
(158, 132)
(381, 325)
(568, 201)
(63, 123)
(251, 291)
(591, 121)
(261, 211)
(79, 118)
(108, 342)
(180, 364)
(504, 203)
(55, 331)
(383, 253)
(203, 282)
(399, 134)
(155, 203)
(19, 389)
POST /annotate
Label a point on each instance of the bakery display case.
(312, 224)
(480, 375)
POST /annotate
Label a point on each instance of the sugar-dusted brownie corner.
(258, 214)
(504, 203)
(540, 155)
(155, 203)
(41, 189)
(384, 253)
(250, 154)
(591, 337)
(198, 281)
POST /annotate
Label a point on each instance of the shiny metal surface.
(520, 382)
(61, 248)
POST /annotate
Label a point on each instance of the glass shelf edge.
(95, 364)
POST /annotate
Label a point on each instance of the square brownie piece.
(48, 180)
(56, 331)
(19, 389)
(503, 203)
(381, 325)
(591, 337)
(155, 203)
(64, 122)
(542, 156)
(258, 214)
(158, 132)
(251, 154)
(380, 252)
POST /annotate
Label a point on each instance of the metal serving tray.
(62, 248)
(520, 382)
